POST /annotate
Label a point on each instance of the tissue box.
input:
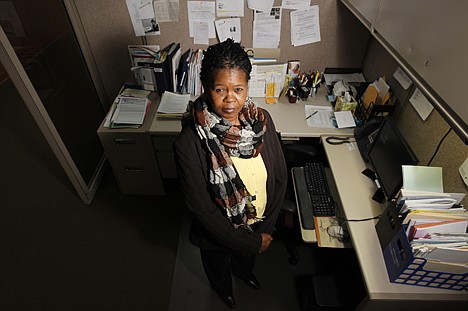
(343, 105)
(404, 268)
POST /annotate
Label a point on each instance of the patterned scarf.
(222, 140)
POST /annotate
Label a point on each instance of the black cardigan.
(210, 228)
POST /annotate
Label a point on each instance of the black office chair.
(296, 154)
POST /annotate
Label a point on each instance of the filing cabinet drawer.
(133, 162)
(138, 178)
(163, 148)
(129, 145)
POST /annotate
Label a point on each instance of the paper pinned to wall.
(421, 104)
(295, 4)
(402, 78)
(228, 8)
(166, 10)
(201, 32)
(261, 5)
(201, 11)
(228, 28)
(305, 26)
(267, 28)
(142, 16)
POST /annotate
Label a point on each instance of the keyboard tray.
(306, 214)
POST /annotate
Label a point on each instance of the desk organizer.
(364, 114)
(404, 268)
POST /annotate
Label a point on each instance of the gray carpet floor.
(191, 291)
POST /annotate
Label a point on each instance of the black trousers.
(219, 266)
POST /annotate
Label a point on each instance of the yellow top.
(254, 175)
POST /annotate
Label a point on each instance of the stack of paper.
(129, 112)
(435, 221)
(423, 189)
(173, 105)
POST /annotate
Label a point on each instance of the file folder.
(183, 71)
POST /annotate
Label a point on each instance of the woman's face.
(228, 93)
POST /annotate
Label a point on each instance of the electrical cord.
(338, 230)
(337, 140)
(359, 219)
(438, 146)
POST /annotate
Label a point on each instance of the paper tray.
(404, 268)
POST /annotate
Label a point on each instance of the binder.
(175, 67)
(168, 68)
(183, 71)
(160, 69)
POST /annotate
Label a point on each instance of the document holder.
(404, 268)
(364, 114)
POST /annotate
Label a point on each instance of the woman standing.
(231, 169)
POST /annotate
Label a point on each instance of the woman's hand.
(266, 241)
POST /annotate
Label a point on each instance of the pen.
(313, 113)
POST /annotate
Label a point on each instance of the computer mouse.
(338, 232)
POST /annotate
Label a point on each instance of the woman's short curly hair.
(227, 54)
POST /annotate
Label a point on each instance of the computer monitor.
(387, 154)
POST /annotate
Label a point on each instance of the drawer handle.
(124, 141)
(135, 168)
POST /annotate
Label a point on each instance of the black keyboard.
(319, 192)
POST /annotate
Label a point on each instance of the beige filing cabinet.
(131, 155)
(162, 144)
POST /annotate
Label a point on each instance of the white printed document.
(305, 26)
(228, 28)
(318, 116)
(173, 104)
(201, 12)
(344, 119)
(267, 28)
(130, 110)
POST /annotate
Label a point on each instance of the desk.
(289, 118)
(355, 192)
(289, 121)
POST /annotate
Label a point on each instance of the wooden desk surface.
(355, 191)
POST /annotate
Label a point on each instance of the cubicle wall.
(109, 31)
(345, 42)
(423, 136)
